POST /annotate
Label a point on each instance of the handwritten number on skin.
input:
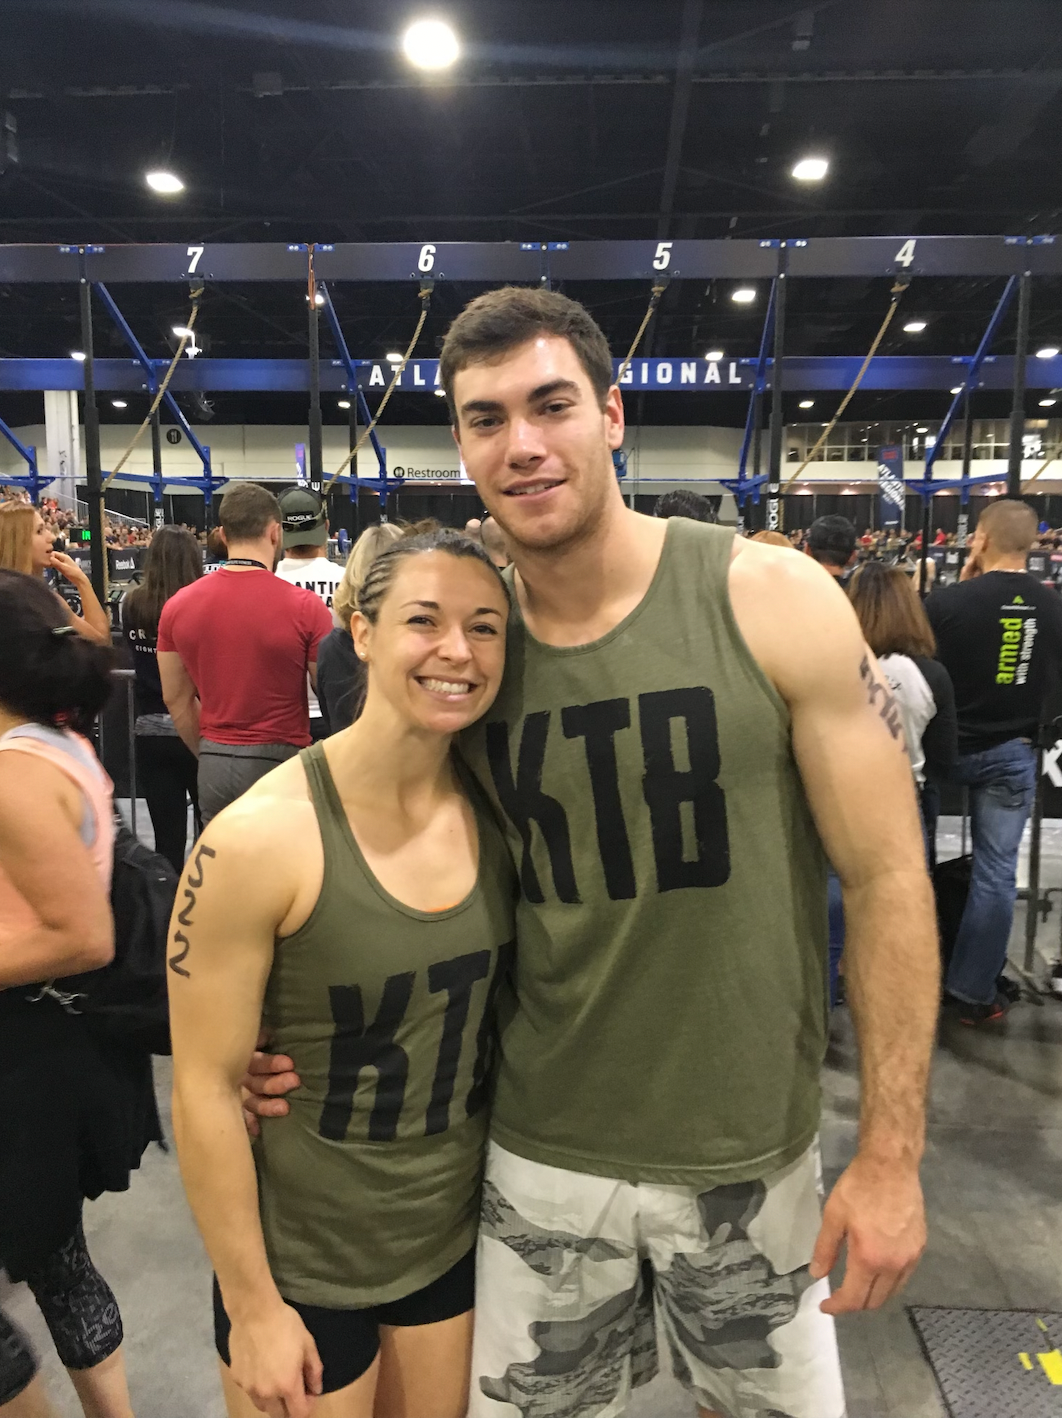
(195, 881)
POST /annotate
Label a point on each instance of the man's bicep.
(177, 683)
(849, 745)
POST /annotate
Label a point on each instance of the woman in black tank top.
(359, 900)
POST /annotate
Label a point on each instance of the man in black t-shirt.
(999, 635)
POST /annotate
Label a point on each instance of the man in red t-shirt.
(234, 650)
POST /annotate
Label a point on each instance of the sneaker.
(977, 1014)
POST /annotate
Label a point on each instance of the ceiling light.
(121, 404)
(165, 183)
(714, 355)
(811, 169)
(915, 327)
(1048, 403)
(343, 404)
(183, 333)
(956, 390)
(431, 44)
(807, 403)
(395, 358)
(1048, 352)
(440, 393)
(78, 355)
(921, 428)
(318, 298)
(745, 295)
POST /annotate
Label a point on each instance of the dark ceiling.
(564, 119)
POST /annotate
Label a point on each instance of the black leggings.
(167, 769)
(79, 1309)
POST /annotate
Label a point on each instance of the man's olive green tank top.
(669, 1016)
(369, 1189)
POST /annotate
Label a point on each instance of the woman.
(26, 546)
(75, 1115)
(340, 674)
(365, 898)
(897, 630)
(165, 766)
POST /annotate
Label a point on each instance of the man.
(680, 711)
(234, 651)
(999, 635)
(683, 503)
(305, 563)
(832, 543)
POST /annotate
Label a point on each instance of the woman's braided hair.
(420, 538)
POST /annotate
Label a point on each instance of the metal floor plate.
(994, 1363)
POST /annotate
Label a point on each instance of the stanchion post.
(93, 473)
(1032, 905)
(774, 469)
(1017, 413)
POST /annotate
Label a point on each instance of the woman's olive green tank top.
(369, 1189)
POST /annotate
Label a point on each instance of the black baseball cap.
(303, 517)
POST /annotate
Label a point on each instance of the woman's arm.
(940, 737)
(95, 624)
(235, 892)
(50, 866)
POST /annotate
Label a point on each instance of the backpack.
(125, 1002)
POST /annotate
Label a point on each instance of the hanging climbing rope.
(902, 282)
(654, 301)
(425, 301)
(189, 334)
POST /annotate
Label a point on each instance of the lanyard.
(245, 561)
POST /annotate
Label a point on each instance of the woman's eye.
(485, 629)
(419, 620)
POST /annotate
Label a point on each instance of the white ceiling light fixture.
(431, 45)
(714, 356)
(1047, 352)
(1048, 403)
(394, 358)
(183, 333)
(79, 355)
(811, 169)
(166, 184)
(921, 428)
(914, 327)
(440, 393)
(807, 403)
(343, 404)
(956, 390)
(744, 295)
(119, 404)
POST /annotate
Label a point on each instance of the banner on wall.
(890, 484)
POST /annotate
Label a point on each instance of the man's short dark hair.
(502, 320)
(682, 503)
(246, 511)
(1010, 524)
(831, 540)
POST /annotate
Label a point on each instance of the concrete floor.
(991, 1179)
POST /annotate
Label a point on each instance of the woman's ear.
(361, 633)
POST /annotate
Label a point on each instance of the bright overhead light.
(1048, 403)
(431, 44)
(807, 403)
(119, 404)
(440, 393)
(78, 355)
(318, 298)
(915, 327)
(394, 358)
(921, 428)
(182, 332)
(165, 183)
(956, 390)
(343, 404)
(811, 169)
(744, 295)
(1048, 352)
(714, 355)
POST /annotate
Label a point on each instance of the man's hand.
(275, 1361)
(268, 1078)
(971, 567)
(877, 1207)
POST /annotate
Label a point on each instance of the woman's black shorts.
(349, 1340)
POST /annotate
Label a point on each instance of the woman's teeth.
(445, 686)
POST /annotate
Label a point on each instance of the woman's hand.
(274, 1360)
(66, 566)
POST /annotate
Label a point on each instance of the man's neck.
(261, 551)
(1014, 562)
(579, 592)
(304, 553)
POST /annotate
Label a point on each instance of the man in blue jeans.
(999, 635)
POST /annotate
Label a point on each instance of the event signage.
(707, 375)
(890, 484)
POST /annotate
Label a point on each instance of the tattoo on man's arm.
(184, 917)
(889, 710)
